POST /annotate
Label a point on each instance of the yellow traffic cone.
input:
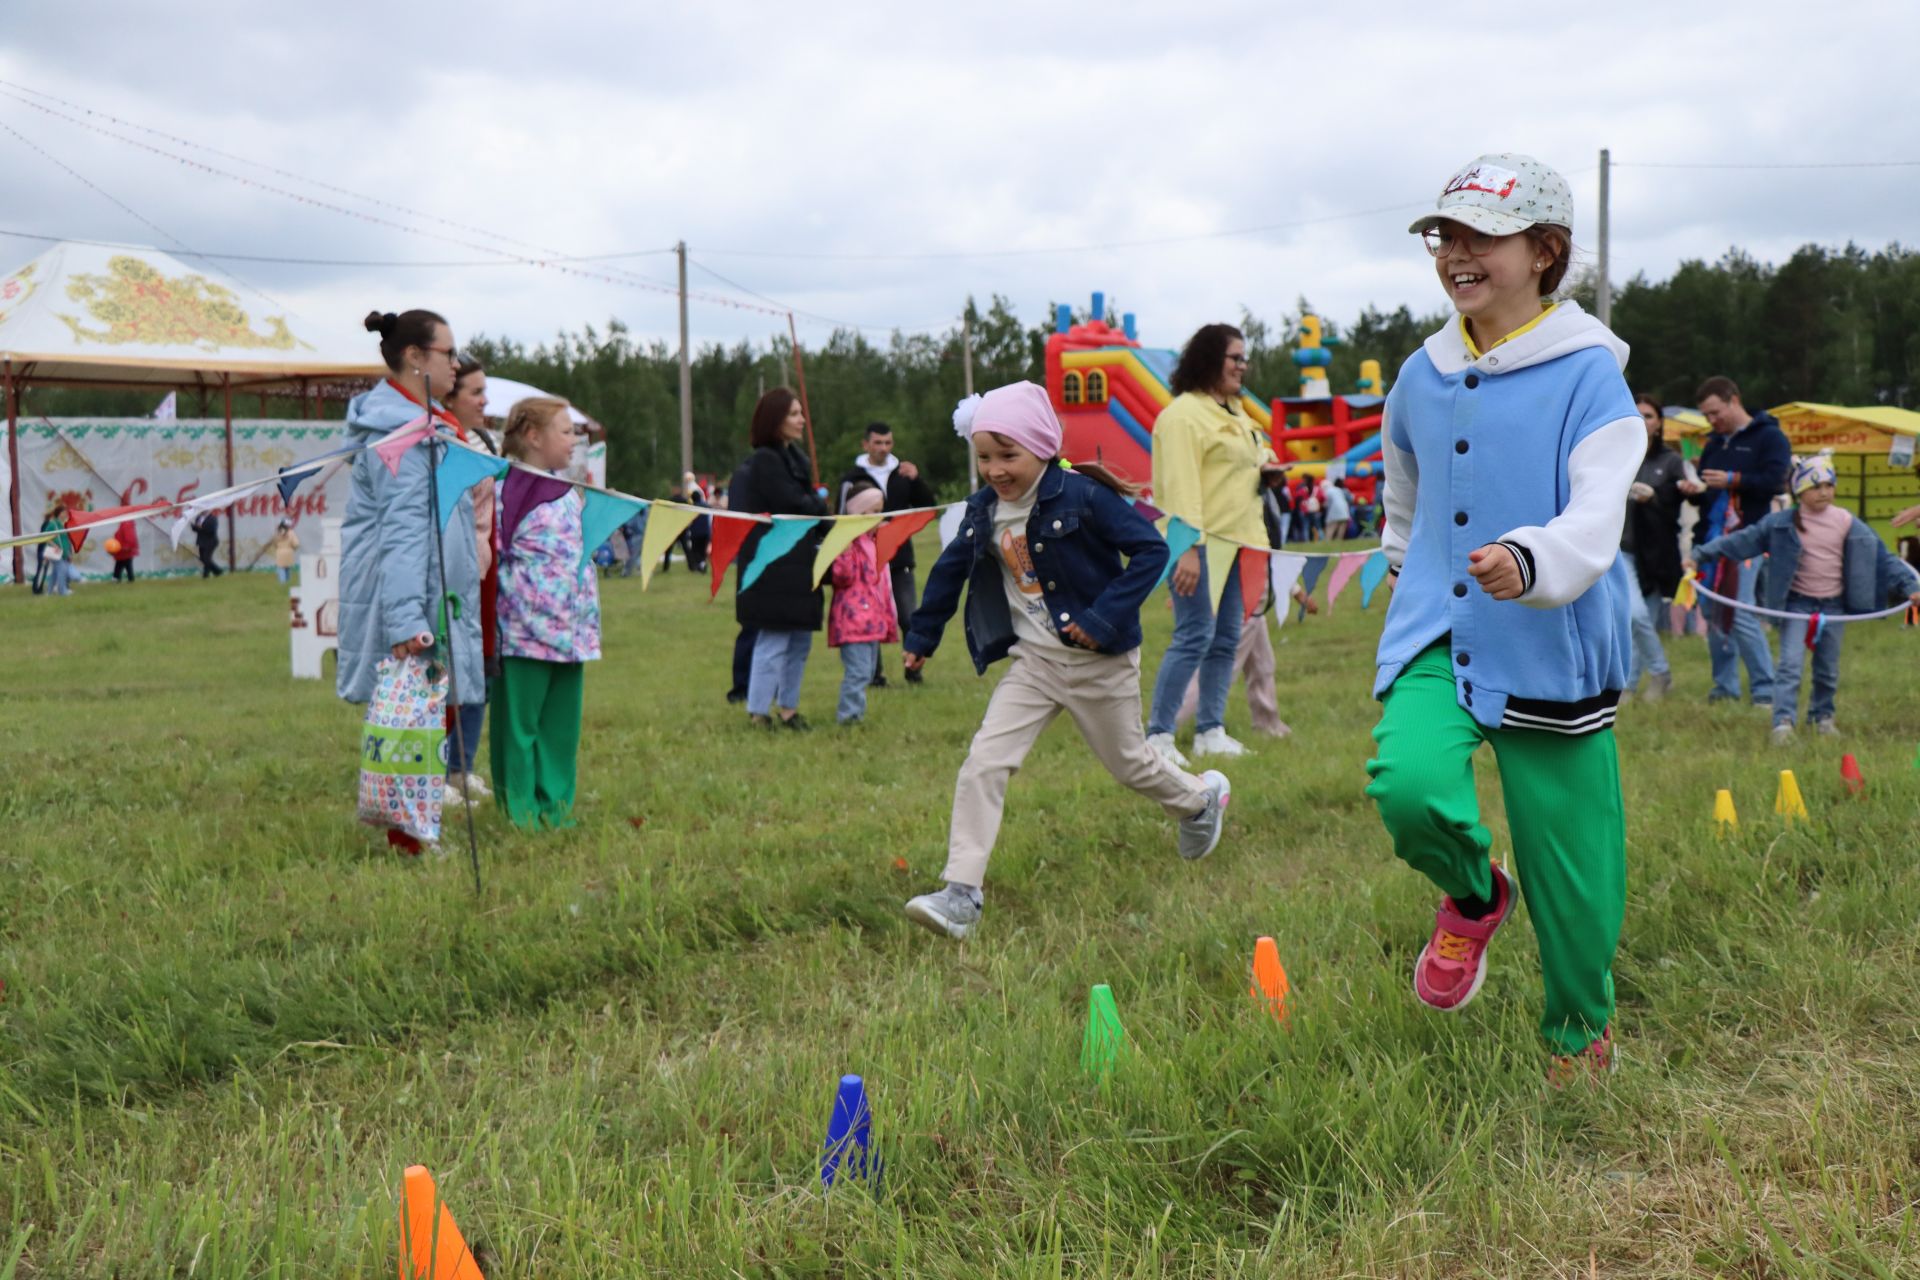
(1788, 803)
(1725, 819)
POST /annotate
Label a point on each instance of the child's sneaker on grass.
(1585, 1067)
(1200, 833)
(1782, 735)
(1453, 964)
(953, 910)
(1827, 728)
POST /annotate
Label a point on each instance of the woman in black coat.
(783, 605)
(1650, 540)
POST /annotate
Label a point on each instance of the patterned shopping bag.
(403, 748)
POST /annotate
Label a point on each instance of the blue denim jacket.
(1870, 574)
(1077, 534)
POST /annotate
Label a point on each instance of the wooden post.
(226, 387)
(800, 375)
(13, 464)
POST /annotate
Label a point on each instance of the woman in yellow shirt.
(1207, 460)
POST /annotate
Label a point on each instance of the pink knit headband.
(1019, 411)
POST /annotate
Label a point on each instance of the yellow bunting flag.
(1788, 803)
(1684, 594)
(840, 536)
(1220, 557)
(666, 521)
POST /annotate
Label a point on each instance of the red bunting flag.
(728, 534)
(1253, 579)
(78, 537)
(888, 538)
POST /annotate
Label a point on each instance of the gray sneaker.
(1200, 833)
(1658, 687)
(952, 911)
(1783, 734)
(1827, 728)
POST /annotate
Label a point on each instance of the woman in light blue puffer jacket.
(390, 590)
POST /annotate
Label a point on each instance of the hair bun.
(381, 322)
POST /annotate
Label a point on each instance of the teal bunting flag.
(781, 537)
(1180, 539)
(459, 471)
(1372, 574)
(600, 515)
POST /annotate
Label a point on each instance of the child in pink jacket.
(862, 617)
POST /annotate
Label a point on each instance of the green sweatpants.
(535, 739)
(1565, 814)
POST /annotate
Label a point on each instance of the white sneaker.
(1215, 742)
(1200, 833)
(952, 911)
(1163, 743)
(1827, 728)
(1782, 734)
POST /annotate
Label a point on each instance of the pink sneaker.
(1586, 1066)
(1454, 962)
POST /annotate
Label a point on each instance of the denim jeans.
(60, 578)
(1746, 643)
(1203, 641)
(1793, 649)
(779, 660)
(857, 663)
(1647, 658)
(461, 751)
(283, 573)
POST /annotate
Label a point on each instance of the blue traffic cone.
(848, 1132)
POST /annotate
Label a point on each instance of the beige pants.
(1254, 659)
(1103, 697)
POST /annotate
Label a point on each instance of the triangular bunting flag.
(666, 521)
(1253, 579)
(1343, 570)
(1310, 576)
(728, 533)
(1180, 538)
(1283, 570)
(600, 515)
(898, 529)
(782, 536)
(105, 515)
(459, 471)
(1372, 575)
(396, 443)
(1684, 596)
(1220, 556)
(840, 535)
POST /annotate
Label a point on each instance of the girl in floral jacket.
(862, 617)
(549, 622)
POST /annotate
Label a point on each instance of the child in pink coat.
(862, 617)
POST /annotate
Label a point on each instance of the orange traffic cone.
(1269, 978)
(431, 1247)
(1850, 774)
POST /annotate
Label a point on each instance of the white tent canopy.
(82, 313)
(504, 393)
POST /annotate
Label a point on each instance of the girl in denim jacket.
(1040, 554)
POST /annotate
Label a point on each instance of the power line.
(1811, 164)
(260, 257)
(843, 324)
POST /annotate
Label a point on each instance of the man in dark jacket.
(1744, 465)
(206, 540)
(900, 484)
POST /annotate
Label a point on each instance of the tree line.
(1832, 325)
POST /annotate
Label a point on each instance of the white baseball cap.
(1503, 194)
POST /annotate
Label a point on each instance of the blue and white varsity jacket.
(1532, 446)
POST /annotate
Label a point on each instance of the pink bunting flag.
(396, 444)
(1343, 570)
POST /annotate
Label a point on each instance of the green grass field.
(231, 1017)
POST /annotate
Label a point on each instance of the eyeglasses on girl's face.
(1442, 240)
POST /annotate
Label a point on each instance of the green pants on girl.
(1565, 814)
(534, 739)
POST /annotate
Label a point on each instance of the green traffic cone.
(1105, 1036)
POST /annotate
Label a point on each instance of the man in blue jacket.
(1744, 466)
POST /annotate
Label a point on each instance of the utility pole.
(686, 370)
(966, 373)
(1603, 287)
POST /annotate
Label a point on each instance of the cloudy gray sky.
(874, 163)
